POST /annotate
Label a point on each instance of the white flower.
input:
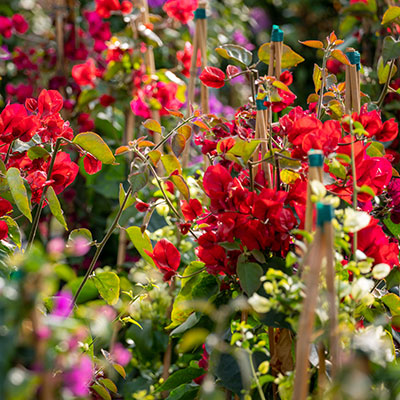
(354, 221)
(259, 303)
(361, 287)
(374, 342)
(380, 271)
(318, 189)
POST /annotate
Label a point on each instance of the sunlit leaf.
(391, 14)
(152, 125)
(181, 185)
(141, 241)
(171, 164)
(18, 192)
(340, 56)
(108, 284)
(316, 44)
(55, 206)
(178, 144)
(236, 53)
(96, 146)
(289, 57)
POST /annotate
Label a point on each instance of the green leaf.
(192, 339)
(101, 391)
(393, 228)
(317, 78)
(337, 169)
(393, 279)
(107, 284)
(18, 192)
(249, 276)
(244, 149)
(391, 49)
(392, 301)
(376, 149)
(154, 156)
(171, 164)
(289, 57)
(86, 96)
(236, 53)
(122, 195)
(113, 68)
(184, 392)
(13, 230)
(37, 152)
(178, 144)
(81, 232)
(366, 189)
(55, 206)
(181, 185)
(152, 125)
(180, 377)
(109, 384)
(391, 14)
(131, 321)
(383, 70)
(141, 241)
(96, 146)
(138, 179)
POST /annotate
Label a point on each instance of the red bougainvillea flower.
(286, 77)
(105, 7)
(213, 77)
(3, 230)
(185, 56)
(232, 70)
(141, 206)
(19, 23)
(5, 27)
(182, 10)
(64, 172)
(85, 122)
(167, 258)
(216, 180)
(192, 209)
(85, 74)
(106, 100)
(373, 242)
(91, 164)
(49, 102)
(5, 207)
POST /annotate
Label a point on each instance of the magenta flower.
(79, 377)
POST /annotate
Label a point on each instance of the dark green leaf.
(96, 146)
(18, 192)
(236, 53)
(249, 276)
(180, 377)
(391, 49)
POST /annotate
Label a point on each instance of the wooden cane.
(315, 163)
(314, 259)
(352, 94)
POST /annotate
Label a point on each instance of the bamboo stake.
(199, 44)
(352, 95)
(316, 161)
(315, 256)
(59, 7)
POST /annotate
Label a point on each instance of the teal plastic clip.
(315, 158)
(200, 13)
(354, 58)
(277, 34)
(324, 213)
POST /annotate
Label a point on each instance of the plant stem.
(36, 219)
(252, 87)
(253, 371)
(9, 151)
(386, 87)
(321, 92)
(101, 246)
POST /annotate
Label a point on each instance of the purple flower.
(78, 378)
(261, 21)
(62, 304)
(216, 107)
(156, 3)
(241, 40)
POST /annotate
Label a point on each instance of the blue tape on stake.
(354, 58)
(277, 34)
(200, 13)
(260, 104)
(315, 158)
(324, 213)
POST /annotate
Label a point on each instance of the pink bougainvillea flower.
(77, 380)
(167, 258)
(120, 354)
(91, 164)
(85, 74)
(62, 304)
(3, 230)
(181, 10)
(213, 77)
(19, 23)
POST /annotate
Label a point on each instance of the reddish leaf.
(340, 56)
(316, 44)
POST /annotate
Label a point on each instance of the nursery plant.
(176, 224)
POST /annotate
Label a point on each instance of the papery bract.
(212, 77)
(182, 10)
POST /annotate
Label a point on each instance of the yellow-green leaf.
(383, 71)
(181, 185)
(101, 391)
(340, 56)
(108, 284)
(122, 195)
(55, 206)
(178, 144)
(152, 125)
(96, 146)
(154, 156)
(109, 384)
(289, 57)
(317, 78)
(391, 14)
(132, 321)
(141, 241)
(18, 192)
(120, 369)
(171, 164)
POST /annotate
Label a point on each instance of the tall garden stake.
(315, 163)
(199, 44)
(319, 250)
(352, 94)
